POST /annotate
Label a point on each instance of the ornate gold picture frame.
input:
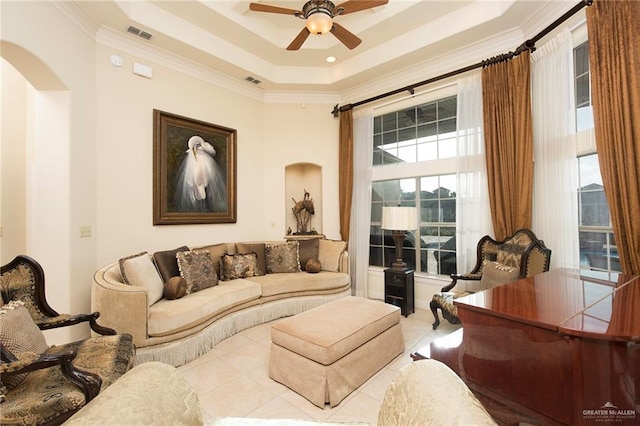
(194, 171)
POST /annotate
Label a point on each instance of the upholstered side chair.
(42, 384)
(498, 262)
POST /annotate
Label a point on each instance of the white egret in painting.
(200, 186)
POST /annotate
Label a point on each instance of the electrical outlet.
(85, 231)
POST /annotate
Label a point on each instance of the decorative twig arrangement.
(302, 210)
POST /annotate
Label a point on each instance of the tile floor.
(232, 380)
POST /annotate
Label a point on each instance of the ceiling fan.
(319, 15)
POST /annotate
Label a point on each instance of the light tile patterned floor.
(232, 380)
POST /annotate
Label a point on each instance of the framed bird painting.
(194, 171)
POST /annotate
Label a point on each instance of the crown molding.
(439, 65)
(547, 15)
(77, 16)
(163, 58)
(285, 97)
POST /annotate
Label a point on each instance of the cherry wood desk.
(556, 348)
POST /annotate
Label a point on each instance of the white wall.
(13, 214)
(58, 60)
(269, 137)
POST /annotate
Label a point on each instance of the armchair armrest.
(89, 383)
(456, 277)
(67, 320)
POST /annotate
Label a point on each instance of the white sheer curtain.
(555, 200)
(361, 201)
(473, 212)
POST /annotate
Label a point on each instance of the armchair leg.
(434, 308)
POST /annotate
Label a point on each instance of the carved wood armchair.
(38, 383)
(518, 256)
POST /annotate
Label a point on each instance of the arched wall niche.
(301, 177)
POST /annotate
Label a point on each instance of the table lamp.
(399, 220)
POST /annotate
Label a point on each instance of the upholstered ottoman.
(325, 353)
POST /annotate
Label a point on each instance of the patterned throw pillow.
(282, 257)
(139, 270)
(234, 266)
(495, 274)
(197, 269)
(20, 336)
(258, 249)
(329, 252)
(216, 251)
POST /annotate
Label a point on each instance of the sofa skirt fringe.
(187, 349)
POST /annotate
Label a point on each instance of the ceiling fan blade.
(299, 40)
(358, 5)
(259, 7)
(345, 36)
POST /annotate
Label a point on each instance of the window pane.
(377, 157)
(389, 122)
(407, 118)
(377, 125)
(428, 132)
(426, 113)
(582, 91)
(407, 154)
(407, 135)
(428, 151)
(581, 58)
(447, 148)
(447, 128)
(447, 108)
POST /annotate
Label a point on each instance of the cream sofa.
(423, 393)
(180, 330)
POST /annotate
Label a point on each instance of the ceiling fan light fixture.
(319, 22)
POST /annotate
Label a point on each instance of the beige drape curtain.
(345, 172)
(509, 143)
(614, 48)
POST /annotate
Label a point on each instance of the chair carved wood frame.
(523, 250)
(23, 279)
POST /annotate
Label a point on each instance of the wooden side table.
(398, 289)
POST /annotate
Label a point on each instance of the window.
(424, 134)
(598, 249)
(584, 110)
(420, 133)
(597, 243)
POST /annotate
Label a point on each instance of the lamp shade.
(399, 218)
(319, 22)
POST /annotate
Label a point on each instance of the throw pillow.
(495, 274)
(308, 249)
(20, 336)
(258, 249)
(175, 288)
(329, 252)
(216, 251)
(167, 263)
(282, 257)
(197, 270)
(234, 266)
(139, 270)
(313, 266)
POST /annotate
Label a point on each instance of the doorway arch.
(35, 169)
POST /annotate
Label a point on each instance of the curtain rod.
(527, 45)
